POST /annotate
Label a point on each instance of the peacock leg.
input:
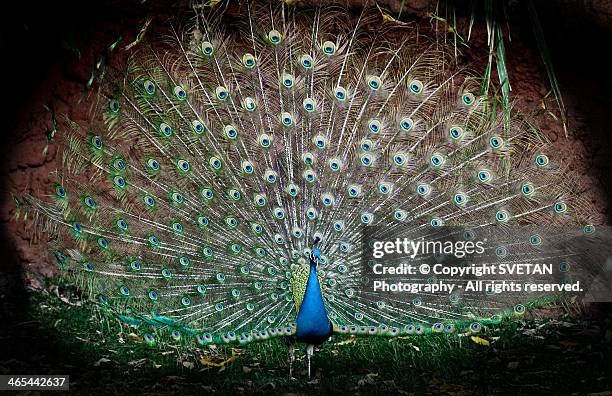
(291, 359)
(309, 352)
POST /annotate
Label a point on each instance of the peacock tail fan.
(217, 154)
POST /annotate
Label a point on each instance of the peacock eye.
(248, 60)
(335, 164)
(502, 216)
(183, 165)
(230, 132)
(149, 201)
(456, 132)
(320, 141)
(306, 61)
(197, 126)
(270, 176)
(527, 189)
(119, 164)
(60, 191)
(374, 126)
(437, 160)
(416, 87)
(221, 93)
(460, 198)
(309, 105)
(149, 87)
(400, 215)
(274, 36)
(496, 142)
(207, 193)
(400, 159)
(327, 199)
(541, 160)
(311, 213)
(114, 105)
(288, 80)
(308, 158)
(340, 94)
(247, 167)
(406, 124)
(165, 129)
(423, 189)
(484, 175)
(119, 181)
(374, 82)
(96, 141)
(329, 48)
(202, 221)
(468, 98)
(215, 163)
(207, 48)
(366, 159)
(354, 190)
(89, 202)
(153, 164)
(560, 207)
(286, 119)
(264, 140)
(366, 218)
(249, 104)
(180, 93)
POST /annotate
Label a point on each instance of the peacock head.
(315, 253)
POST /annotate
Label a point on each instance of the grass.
(95, 340)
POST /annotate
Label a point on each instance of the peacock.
(234, 172)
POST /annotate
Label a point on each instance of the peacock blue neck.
(313, 325)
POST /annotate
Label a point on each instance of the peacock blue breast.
(313, 326)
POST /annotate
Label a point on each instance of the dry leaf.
(480, 341)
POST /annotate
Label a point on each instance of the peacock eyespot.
(496, 142)
(149, 87)
(374, 126)
(96, 141)
(90, 202)
(119, 164)
(122, 224)
(374, 82)
(306, 61)
(136, 265)
(416, 87)
(165, 129)
(340, 93)
(153, 164)
(541, 160)
(119, 181)
(468, 98)
(180, 93)
(207, 48)
(60, 191)
(114, 106)
(456, 132)
(560, 207)
(406, 124)
(274, 36)
(248, 60)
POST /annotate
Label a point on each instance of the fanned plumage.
(228, 148)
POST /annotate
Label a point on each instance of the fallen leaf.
(350, 341)
(480, 341)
